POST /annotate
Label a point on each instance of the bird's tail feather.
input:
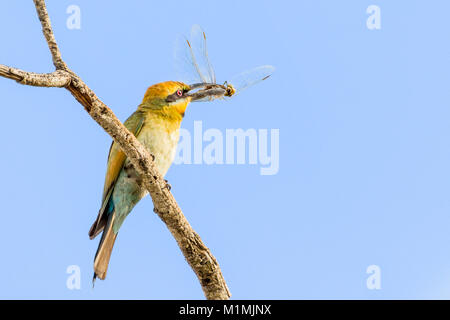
(104, 250)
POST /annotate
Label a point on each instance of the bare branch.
(48, 34)
(194, 250)
(58, 78)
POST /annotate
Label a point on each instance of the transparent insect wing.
(200, 51)
(185, 64)
(191, 58)
(250, 77)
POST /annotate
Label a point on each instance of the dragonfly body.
(192, 64)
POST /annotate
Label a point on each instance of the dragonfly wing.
(186, 65)
(200, 51)
(250, 77)
(191, 58)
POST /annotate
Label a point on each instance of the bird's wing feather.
(116, 160)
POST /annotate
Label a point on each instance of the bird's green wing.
(116, 160)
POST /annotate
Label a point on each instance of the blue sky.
(364, 174)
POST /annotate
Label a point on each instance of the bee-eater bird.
(156, 125)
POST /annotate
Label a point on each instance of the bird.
(156, 124)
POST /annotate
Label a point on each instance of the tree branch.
(194, 250)
(47, 30)
(54, 79)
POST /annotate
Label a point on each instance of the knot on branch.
(159, 212)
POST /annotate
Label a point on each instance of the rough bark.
(54, 79)
(194, 250)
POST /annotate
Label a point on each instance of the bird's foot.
(168, 186)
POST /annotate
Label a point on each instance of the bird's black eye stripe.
(176, 95)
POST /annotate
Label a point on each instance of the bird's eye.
(179, 93)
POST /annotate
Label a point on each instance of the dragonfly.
(193, 65)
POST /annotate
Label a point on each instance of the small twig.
(55, 79)
(48, 34)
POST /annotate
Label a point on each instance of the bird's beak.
(206, 91)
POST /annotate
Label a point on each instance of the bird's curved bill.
(206, 91)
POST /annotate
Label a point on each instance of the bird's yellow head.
(171, 98)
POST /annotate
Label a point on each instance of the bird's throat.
(173, 112)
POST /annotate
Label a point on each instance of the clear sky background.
(364, 178)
